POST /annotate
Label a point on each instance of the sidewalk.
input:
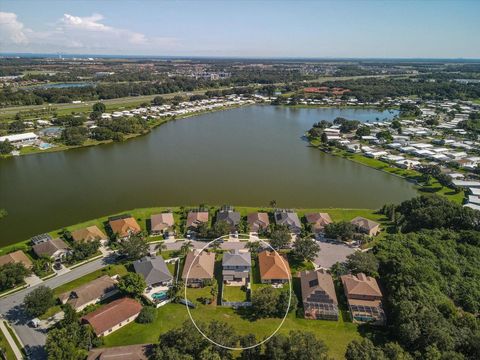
(11, 342)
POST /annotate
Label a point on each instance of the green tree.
(265, 302)
(158, 100)
(99, 107)
(363, 131)
(305, 248)
(12, 274)
(38, 301)
(186, 247)
(363, 350)
(343, 230)
(280, 238)
(134, 247)
(6, 147)
(147, 315)
(249, 354)
(363, 262)
(73, 136)
(220, 228)
(132, 284)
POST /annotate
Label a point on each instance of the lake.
(243, 156)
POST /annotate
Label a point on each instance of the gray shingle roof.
(153, 269)
(236, 258)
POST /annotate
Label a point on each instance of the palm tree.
(253, 246)
(186, 248)
(273, 204)
(161, 246)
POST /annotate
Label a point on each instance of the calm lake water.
(244, 156)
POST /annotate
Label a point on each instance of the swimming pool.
(160, 296)
(44, 146)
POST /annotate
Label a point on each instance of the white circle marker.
(264, 340)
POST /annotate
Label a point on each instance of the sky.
(231, 28)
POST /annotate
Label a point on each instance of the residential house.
(258, 221)
(289, 219)
(274, 268)
(111, 317)
(201, 265)
(128, 352)
(90, 293)
(364, 298)
(230, 216)
(88, 234)
(37, 239)
(366, 226)
(124, 226)
(195, 218)
(154, 271)
(161, 223)
(16, 257)
(55, 249)
(318, 221)
(318, 295)
(236, 266)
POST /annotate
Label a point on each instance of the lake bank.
(246, 156)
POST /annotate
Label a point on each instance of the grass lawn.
(195, 294)
(50, 312)
(6, 347)
(336, 334)
(109, 270)
(234, 293)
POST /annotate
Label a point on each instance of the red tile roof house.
(195, 218)
(364, 298)
(318, 221)
(200, 265)
(124, 227)
(111, 317)
(318, 295)
(369, 227)
(274, 268)
(89, 233)
(161, 223)
(258, 221)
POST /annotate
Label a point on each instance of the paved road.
(11, 309)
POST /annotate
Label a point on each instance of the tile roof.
(318, 282)
(236, 258)
(161, 221)
(202, 267)
(89, 292)
(194, 218)
(124, 227)
(112, 314)
(364, 223)
(360, 285)
(231, 217)
(153, 269)
(273, 266)
(16, 257)
(257, 221)
(50, 247)
(318, 220)
(89, 233)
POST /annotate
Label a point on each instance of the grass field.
(335, 334)
(234, 294)
(5, 346)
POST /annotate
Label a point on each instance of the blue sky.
(392, 29)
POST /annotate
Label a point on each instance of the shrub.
(147, 315)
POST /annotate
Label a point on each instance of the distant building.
(20, 139)
(111, 317)
(364, 298)
(236, 266)
(274, 268)
(366, 226)
(90, 293)
(16, 257)
(318, 295)
(201, 266)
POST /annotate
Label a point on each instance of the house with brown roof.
(201, 265)
(274, 268)
(318, 221)
(318, 295)
(124, 227)
(90, 233)
(195, 218)
(90, 293)
(55, 249)
(111, 317)
(364, 298)
(16, 257)
(366, 226)
(161, 223)
(258, 221)
(128, 352)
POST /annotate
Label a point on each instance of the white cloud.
(12, 30)
(79, 34)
